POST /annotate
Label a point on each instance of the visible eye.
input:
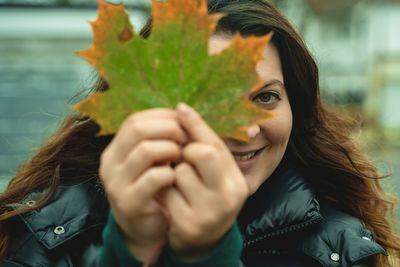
(265, 98)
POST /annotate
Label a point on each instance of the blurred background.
(355, 42)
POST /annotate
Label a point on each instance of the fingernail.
(184, 109)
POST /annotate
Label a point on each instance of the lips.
(241, 153)
(242, 156)
(245, 160)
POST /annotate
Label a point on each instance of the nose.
(253, 130)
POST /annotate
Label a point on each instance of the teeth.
(245, 157)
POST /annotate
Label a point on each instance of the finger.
(175, 203)
(188, 183)
(150, 183)
(146, 154)
(196, 127)
(207, 161)
(137, 130)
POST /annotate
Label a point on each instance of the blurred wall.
(39, 74)
(357, 47)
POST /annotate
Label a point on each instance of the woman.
(300, 193)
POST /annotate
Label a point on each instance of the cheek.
(277, 129)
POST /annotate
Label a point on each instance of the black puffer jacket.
(282, 223)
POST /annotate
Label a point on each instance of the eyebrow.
(271, 83)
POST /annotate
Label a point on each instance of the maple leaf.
(171, 66)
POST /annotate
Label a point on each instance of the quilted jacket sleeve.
(114, 251)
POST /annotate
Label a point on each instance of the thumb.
(195, 126)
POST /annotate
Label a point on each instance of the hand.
(210, 190)
(132, 176)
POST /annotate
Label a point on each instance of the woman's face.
(260, 157)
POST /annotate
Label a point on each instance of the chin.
(257, 177)
(252, 185)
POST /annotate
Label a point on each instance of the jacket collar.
(285, 213)
(73, 209)
(284, 204)
(339, 240)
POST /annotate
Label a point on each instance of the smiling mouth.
(240, 156)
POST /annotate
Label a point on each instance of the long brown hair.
(320, 140)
